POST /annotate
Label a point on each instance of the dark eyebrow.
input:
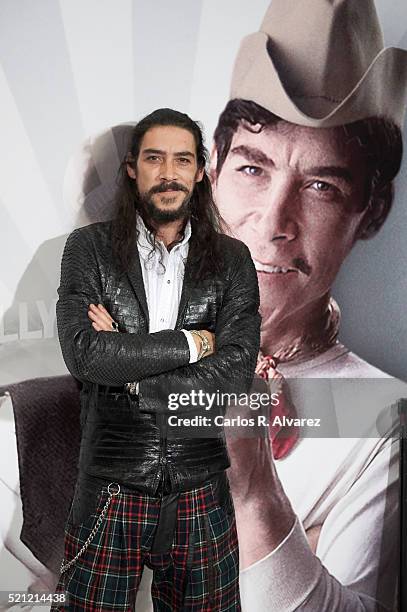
(184, 154)
(160, 152)
(332, 171)
(153, 151)
(252, 154)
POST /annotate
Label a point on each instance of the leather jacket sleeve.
(105, 357)
(237, 336)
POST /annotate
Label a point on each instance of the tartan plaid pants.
(197, 570)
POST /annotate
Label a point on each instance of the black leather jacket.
(131, 442)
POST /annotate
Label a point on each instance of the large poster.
(73, 77)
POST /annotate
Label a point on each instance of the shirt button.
(168, 281)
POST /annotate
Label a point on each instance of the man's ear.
(131, 165)
(376, 212)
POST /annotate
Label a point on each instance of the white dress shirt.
(163, 275)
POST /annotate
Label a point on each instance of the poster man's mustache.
(302, 265)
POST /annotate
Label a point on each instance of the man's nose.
(168, 170)
(277, 219)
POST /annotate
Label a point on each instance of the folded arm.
(231, 368)
(104, 357)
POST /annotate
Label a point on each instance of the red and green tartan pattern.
(200, 572)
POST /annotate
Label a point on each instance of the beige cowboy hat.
(322, 63)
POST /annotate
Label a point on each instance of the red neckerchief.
(282, 437)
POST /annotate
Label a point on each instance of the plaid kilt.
(199, 570)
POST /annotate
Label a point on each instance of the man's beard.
(162, 215)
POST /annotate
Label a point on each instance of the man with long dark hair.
(183, 301)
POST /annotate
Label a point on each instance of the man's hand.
(209, 336)
(264, 515)
(101, 319)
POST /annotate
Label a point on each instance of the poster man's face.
(296, 197)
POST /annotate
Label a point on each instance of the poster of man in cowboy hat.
(306, 152)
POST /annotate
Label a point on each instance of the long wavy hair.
(207, 224)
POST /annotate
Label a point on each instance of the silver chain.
(66, 566)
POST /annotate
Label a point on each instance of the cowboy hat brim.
(381, 91)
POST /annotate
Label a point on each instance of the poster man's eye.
(251, 170)
(322, 186)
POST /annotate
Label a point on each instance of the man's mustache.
(173, 186)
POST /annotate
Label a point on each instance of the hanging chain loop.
(112, 493)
